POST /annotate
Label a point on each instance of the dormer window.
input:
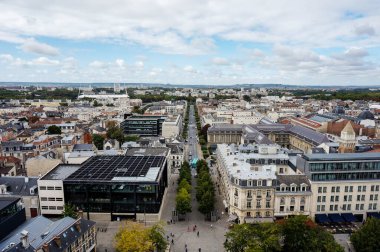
(249, 183)
(293, 187)
(259, 183)
(282, 187)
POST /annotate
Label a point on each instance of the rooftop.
(61, 171)
(119, 168)
(342, 156)
(148, 151)
(6, 201)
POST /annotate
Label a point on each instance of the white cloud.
(365, 30)
(33, 46)
(189, 69)
(139, 64)
(120, 63)
(98, 64)
(44, 61)
(6, 57)
(220, 61)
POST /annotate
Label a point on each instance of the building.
(24, 188)
(119, 187)
(143, 125)
(50, 189)
(288, 136)
(42, 234)
(248, 179)
(12, 214)
(172, 126)
(293, 196)
(346, 183)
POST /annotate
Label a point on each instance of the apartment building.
(248, 179)
(347, 183)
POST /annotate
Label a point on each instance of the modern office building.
(42, 234)
(118, 187)
(12, 214)
(347, 183)
(143, 125)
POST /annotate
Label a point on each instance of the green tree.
(98, 141)
(116, 133)
(366, 239)
(247, 98)
(301, 234)
(54, 130)
(157, 236)
(183, 201)
(184, 184)
(132, 138)
(97, 104)
(253, 238)
(69, 211)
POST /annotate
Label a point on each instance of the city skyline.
(197, 42)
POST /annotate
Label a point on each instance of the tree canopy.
(183, 201)
(98, 141)
(366, 239)
(69, 211)
(134, 237)
(297, 233)
(54, 130)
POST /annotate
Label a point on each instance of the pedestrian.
(198, 233)
(167, 237)
(199, 250)
(195, 226)
(172, 241)
(185, 246)
(211, 226)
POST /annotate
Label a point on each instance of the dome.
(338, 110)
(366, 114)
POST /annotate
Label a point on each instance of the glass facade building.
(143, 125)
(119, 194)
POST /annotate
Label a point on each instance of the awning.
(322, 218)
(232, 217)
(257, 220)
(336, 218)
(374, 215)
(349, 217)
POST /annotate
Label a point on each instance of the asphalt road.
(192, 136)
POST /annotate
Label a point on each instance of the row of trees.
(202, 134)
(183, 198)
(205, 189)
(134, 237)
(367, 237)
(297, 233)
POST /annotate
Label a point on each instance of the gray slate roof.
(19, 186)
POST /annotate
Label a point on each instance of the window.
(50, 187)
(332, 198)
(374, 206)
(292, 200)
(363, 197)
(325, 189)
(351, 188)
(236, 192)
(349, 197)
(268, 194)
(361, 206)
(346, 189)
(320, 189)
(323, 208)
(336, 198)
(302, 208)
(372, 188)
(376, 196)
(348, 207)
(52, 207)
(357, 197)
(248, 214)
(323, 198)
(377, 188)
(59, 199)
(282, 201)
(357, 207)
(303, 200)
(370, 206)
(249, 194)
(58, 188)
(249, 204)
(44, 207)
(318, 208)
(258, 194)
(371, 197)
(333, 189)
(335, 207)
(338, 189)
(43, 199)
(364, 188)
(292, 208)
(259, 183)
(267, 204)
(319, 199)
(282, 208)
(51, 199)
(267, 214)
(42, 187)
(59, 207)
(344, 207)
(331, 207)
(359, 188)
(258, 204)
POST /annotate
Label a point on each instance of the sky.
(303, 42)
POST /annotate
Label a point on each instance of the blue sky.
(191, 42)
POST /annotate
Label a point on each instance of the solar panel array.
(105, 168)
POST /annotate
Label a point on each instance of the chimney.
(77, 225)
(58, 241)
(24, 239)
(45, 247)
